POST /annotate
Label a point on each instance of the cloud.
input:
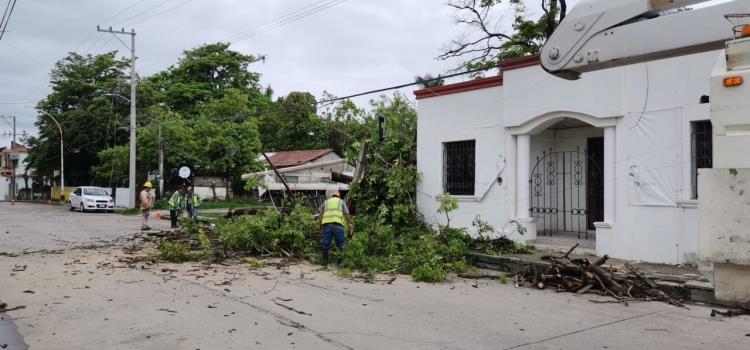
(354, 46)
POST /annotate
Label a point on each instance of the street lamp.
(62, 156)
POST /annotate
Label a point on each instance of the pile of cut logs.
(581, 276)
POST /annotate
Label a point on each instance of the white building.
(13, 160)
(304, 171)
(609, 161)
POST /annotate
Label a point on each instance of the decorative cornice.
(505, 65)
(459, 87)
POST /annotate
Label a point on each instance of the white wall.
(121, 197)
(466, 116)
(206, 193)
(655, 219)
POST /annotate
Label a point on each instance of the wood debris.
(739, 310)
(581, 276)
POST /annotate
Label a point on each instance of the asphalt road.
(68, 270)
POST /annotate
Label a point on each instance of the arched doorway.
(566, 190)
(585, 146)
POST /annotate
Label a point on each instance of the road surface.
(67, 268)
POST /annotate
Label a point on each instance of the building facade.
(609, 161)
(13, 160)
(307, 171)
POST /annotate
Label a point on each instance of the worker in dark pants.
(176, 206)
(334, 216)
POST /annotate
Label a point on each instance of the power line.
(143, 12)
(122, 11)
(395, 87)
(270, 25)
(7, 19)
(161, 13)
(5, 13)
(288, 18)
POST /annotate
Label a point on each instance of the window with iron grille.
(459, 167)
(701, 149)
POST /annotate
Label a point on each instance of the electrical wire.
(122, 11)
(283, 21)
(395, 87)
(5, 13)
(143, 12)
(7, 19)
(161, 13)
(645, 102)
(270, 25)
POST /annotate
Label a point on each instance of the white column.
(609, 174)
(523, 156)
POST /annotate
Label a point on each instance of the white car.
(91, 198)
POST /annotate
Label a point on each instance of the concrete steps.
(562, 242)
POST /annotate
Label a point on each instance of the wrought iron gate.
(561, 185)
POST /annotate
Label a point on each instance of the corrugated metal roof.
(292, 158)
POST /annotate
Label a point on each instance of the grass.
(233, 203)
(238, 202)
(253, 262)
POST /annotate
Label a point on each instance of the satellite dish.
(184, 172)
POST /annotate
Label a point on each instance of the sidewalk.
(680, 282)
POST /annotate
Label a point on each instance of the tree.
(220, 141)
(388, 188)
(87, 116)
(343, 127)
(206, 73)
(113, 164)
(490, 40)
(292, 124)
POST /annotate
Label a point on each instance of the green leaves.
(206, 73)
(271, 233)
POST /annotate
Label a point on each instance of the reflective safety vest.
(175, 201)
(196, 201)
(333, 212)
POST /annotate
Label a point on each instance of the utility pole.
(161, 165)
(12, 165)
(131, 177)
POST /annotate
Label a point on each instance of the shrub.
(270, 233)
(428, 273)
(173, 251)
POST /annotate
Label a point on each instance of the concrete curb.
(676, 286)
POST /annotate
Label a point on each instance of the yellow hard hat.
(148, 184)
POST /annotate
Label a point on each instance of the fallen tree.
(581, 276)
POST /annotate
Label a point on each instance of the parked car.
(91, 198)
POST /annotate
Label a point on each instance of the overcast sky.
(353, 46)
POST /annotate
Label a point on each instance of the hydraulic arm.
(599, 34)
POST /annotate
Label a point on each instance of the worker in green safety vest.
(176, 206)
(334, 217)
(193, 202)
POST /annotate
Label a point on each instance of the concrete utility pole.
(131, 177)
(13, 164)
(161, 165)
